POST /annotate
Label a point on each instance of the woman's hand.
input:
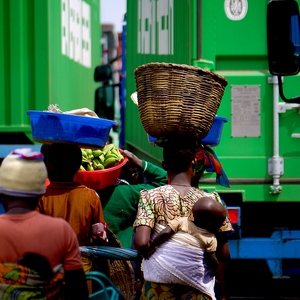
(99, 231)
(132, 159)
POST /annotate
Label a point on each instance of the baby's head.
(37, 263)
(209, 214)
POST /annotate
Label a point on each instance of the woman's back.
(162, 204)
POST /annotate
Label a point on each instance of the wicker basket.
(176, 99)
(119, 271)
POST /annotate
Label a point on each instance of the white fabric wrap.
(179, 261)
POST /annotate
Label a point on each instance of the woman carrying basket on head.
(174, 271)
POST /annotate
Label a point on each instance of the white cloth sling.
(179, 261)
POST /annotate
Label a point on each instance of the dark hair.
(178, 155)
(132, 174)
(64, 158)
(44, 151)
(37, 263)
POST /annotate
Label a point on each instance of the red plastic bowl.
(100, 179)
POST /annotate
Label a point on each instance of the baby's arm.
(212, 262)
(160, 238)
(163, 236)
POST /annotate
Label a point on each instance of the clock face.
(236, 9)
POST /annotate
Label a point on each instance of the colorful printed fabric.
(207, 160)
(20, 283)
(159, 206)
(153, 291)
(162, 204)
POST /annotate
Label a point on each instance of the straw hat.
(23, 173)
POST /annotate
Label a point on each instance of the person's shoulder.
(206, 193)
(161, 188)
(184, 222)
(61, 226)
(183, 219)
(51, 221)
(202, 231)
(180, 219)
(213, 195)
(84, 189)
(151, 166)
(179, 224)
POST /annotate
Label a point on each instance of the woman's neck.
(177, 184)
(17, 207)
(181, 179)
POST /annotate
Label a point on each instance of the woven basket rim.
(184, 67)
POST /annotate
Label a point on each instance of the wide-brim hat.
(23, 173)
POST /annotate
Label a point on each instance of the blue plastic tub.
(213, 137)
(51, 127)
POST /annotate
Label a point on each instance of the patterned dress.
(161, 205)
(19, 283)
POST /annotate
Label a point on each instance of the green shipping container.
(233, 44)
(48, 52)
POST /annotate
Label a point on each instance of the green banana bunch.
(99, 159)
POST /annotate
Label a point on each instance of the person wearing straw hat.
(28, 233)
(173, 269)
